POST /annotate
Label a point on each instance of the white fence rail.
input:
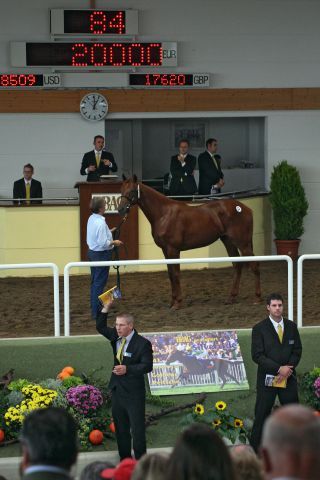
(55, 271)
(300, 285)
(129, 263)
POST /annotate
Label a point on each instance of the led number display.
(94, 54)
(169, 79)
(29, 80)
(94, 22)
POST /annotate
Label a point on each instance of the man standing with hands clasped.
(133, 358)
(276, 348)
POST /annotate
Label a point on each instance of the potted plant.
(290, 206)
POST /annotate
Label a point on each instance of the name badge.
(127, 354)
(291, 342)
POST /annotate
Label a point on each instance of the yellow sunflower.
(199, 409)
(238, 423)
(221, 405)
(216, 422)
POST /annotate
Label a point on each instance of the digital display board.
(29, 80)
(169, 79)
(94, 54)
(93, 22)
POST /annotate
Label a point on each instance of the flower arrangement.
(218, 417)
(310, 388)
(85, 402)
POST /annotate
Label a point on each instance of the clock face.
(94, 107)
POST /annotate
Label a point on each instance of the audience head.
(92, 470)
(200, 454)
(212, 145)
(28, 171)
(152, 466)
(291, 443)
(183, 146)
(123, 471)
(274, 296)
(246, 463)
(98, 205)
(98, 142)
(49, 437)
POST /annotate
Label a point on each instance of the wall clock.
(94, 107)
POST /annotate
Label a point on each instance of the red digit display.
(161, 79)
(96, 22)
(87, 54)
(17, 80)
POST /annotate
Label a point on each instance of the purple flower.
(84, 398)
(317, 387)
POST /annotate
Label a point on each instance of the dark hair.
(185, 140)
(50, 437)
(96, 137)
(209, 141)
(200, 454)
(274, 296)
(92, 470)
(28, 165)
(97, 203)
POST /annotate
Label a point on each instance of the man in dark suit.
(210, 173)
(276, 348)
(27, 187)
(133, 358)
(181, 168)
(97, 162)
(49, 444)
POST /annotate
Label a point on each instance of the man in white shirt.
(101, 244)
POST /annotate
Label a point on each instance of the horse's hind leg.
(237, 268)
(174, 276)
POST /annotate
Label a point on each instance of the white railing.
(314, 256)
(55, 270)
(184, 261)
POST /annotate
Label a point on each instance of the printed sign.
(195, 362)
(112, 201)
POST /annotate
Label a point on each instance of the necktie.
(280, 332)
(215, 162)
(98, 159)
(119, 355)
(28, 192)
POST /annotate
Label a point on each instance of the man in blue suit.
(210, 173)
(27, 187)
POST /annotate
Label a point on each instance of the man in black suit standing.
(133, 358)
(27, 187)
(181, 168)
(210, 173)
(276, 348)
(97, 162)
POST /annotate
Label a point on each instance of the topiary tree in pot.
(290, 206)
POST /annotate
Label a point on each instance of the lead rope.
(115, 253)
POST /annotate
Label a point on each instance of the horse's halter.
(132, 197)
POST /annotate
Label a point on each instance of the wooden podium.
(129, 229)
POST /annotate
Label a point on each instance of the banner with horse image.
(195, 362)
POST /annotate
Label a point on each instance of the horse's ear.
(134, 178)
(124, 177)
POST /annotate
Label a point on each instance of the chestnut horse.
(177, 226)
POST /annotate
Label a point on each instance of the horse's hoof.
(175, 306)
(257, 301)
(230, 301)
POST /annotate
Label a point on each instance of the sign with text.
(196, 362)
(112, 201)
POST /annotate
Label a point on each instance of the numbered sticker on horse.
(239, 209)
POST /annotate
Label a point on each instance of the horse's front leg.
(174, 277)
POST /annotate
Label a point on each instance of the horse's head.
(130, 194)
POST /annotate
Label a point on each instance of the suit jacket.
(182, 181)
(19, 190)
(208, 173)
(138, 360)
(89, 158)
(269, 353)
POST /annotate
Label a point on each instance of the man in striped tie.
(27, 188)
(276, 348)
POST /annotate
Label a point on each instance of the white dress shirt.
(99, 236)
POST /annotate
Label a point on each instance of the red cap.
(123, 471)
